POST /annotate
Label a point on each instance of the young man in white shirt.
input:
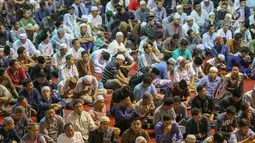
(70, 135)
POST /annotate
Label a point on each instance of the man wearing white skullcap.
(25, 42)
(173, 27)
(61, 38)
(87, 88)
(103, 133)
(140, 139)
(142, 12)
(211, 82)
(190, 24)
(116, 44)
(207, 5)
(99, 110)
(217, 61)
(58, 58)
(95, 20)
(179, 10)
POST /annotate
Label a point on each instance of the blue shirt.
(10, 135)
(20, 125)
(162, 67)
(174, 135)
(210, 85)
(32, 97)
(139, 91)
(222, 50)
(234, 60)
(178, 52)
(39, 15)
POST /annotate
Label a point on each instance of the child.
(100, 42)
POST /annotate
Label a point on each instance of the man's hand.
(201, 135)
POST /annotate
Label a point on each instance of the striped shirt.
(15, 34)
(110, 70)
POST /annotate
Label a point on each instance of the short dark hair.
(218, 137)
(175, 36)
(42, 74)
(2, 70)
(189, 31)
(76, 101)
(197, 2)
(244, 50)
(147, 80)
(70, 8)
(7, 50)
(74, 40)
(26, 82)
(238, 36)
(184, 42)
(42, 3)
(237, 93)
(166, 117)
(231, 110)
(155, 71)
(21, 50)
(20, 98)
(244, 106)
(244, 122)
(146, 96)
(198, 60)
(199, 88)
(177, 99)
(69, 56)
(41, 60)
(106, 55)
(168, 101)
(12, 62)
(183, 84)
(67, 125)
(210, 26)
(195, 111)
(84, 52)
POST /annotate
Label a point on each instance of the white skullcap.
(142, 2)
(84, 18)
(228, 15)
(177, 16)
(62, 46)
(191, 138)
(105, 119)
(200, 47)
(23, 36)
(221, 57)
(61, 30)
(211, 13)
(178, 6)
(119, 33)
(37, 53)
(45, 88)
(206, 0)
(121, 57)
(172, 61)
(87, 79)
(139, 139)
(94, 8)
(98, 98)
(179, 59)
(189, 18)
(213, 69)
(83, 24)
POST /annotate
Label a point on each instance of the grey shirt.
(160, 112)
(27, 138)
(237, 136)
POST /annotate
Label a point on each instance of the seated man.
(220, 48)
(204, 102)
(41, 81)
(85, 37)
(33, 134)
(51, 126)
(116, 44)
(5, 80)
(170, 45)
(180, 110)
(218, 137)
(48, 100)
(198, 125)
(179, 89)
(232, 81)
(85, 66)
(76, 50)
(145, 87)
(5, 97)
(165, 109)
(182, 51)
(58, 58)
(16, 74)
(209, 39)
(103, 132)
(68, 70)
(26, 62)
(168, 131)
(217, 61)
(134, 131)
(95, 20)
(21, 121)
(8, 132)
(25, 42)
(196, 66)
(226, 122)
(249, 97)
(99, 109)
(247, 113)
(113, 78)
(211, 82)
(183, 71)
(39, 67)
(235, 44)
(243, 134)
(232, 100)
(87, 89)
(124, 113)
(148, 58)
(61, 38)
(100, 58)
(81, 119)
(145, 107)
(30, 93)
(70, 135)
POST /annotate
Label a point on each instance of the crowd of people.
(58, 55)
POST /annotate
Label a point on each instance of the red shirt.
(133, 5)
(18, 77)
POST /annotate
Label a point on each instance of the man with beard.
(190, 24)
(243, 134)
